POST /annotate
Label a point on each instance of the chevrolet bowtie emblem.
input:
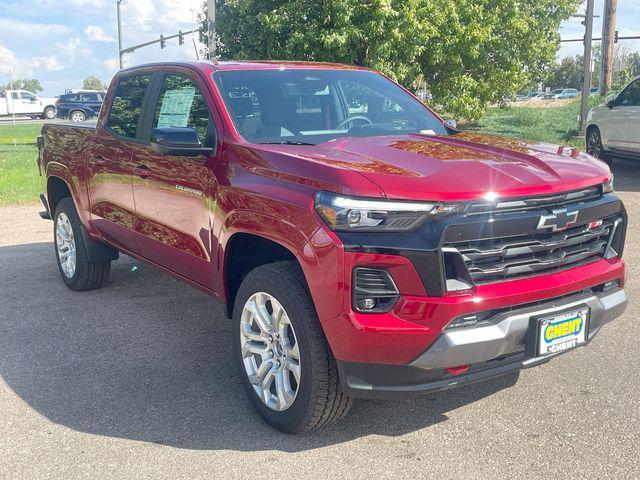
(558, 220)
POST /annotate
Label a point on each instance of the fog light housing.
(374, 291)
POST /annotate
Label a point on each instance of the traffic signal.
(615, 38)
(163, 42)
(180, 38)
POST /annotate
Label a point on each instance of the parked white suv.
(613, 129)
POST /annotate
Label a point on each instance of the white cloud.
(50, 64)
(26, 67)
(7, 60)
(97, 34)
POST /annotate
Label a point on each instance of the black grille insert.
(495, 259)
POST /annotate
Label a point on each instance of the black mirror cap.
(178, 141)
(610, 102)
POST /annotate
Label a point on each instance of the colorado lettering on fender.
(564, 328)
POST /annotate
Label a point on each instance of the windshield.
(313, 106)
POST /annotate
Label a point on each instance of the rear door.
(92, 102)
(175, 195)
(109, 162)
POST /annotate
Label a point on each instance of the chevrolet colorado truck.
(362, 245)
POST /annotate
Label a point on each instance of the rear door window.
(124, 116)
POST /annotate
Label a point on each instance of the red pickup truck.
(363, 246)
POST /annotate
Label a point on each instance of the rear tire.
(595, 148)
(77, 116)
(318, 399)
(77, 272)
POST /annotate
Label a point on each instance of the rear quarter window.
(124, 115)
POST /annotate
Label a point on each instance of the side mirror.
(610, 102)
(179, 141)
(450, 122)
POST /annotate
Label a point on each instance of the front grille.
(530, 203)
(496, 259)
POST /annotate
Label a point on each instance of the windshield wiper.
(286, 142)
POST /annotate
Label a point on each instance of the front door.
(175, 195)
(109, 163)
(631, 98)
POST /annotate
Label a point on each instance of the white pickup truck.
(22, 102)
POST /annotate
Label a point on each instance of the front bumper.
(506, 345)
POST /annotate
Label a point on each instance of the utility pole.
(606, 47)
(120, 54)
(162, 40)
(211, 24)
(586, 75)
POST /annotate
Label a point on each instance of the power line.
(617, 37)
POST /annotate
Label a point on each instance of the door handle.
(142, 171)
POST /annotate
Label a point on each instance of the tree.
(31, 84)
(567, 74)
(469, 52)
(93, 83)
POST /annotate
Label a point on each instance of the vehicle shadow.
(627, 175)
(148, 358)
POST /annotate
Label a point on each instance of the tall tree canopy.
(93, 83)
(469, 52)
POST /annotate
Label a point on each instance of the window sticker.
(176, 107)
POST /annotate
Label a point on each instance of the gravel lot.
(136, 381)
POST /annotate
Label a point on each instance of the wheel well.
(590, 128)
(245, 252)
(77, 110)
(57, 189)
(49, 106)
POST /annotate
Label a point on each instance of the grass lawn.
(19, 179)
(546, 124)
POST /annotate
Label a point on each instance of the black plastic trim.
(98, 252)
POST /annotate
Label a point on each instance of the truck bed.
(66, 143)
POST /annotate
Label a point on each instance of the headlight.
(374, 215)
(607, 187)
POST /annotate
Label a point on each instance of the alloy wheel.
(270, 352)
(594, 144)
(66, 245)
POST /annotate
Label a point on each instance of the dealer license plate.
(562, 331)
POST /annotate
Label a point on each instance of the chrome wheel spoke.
(259, 376)
(294, 368)
(284, 391)
(254, 348)
(294, 352)
(260, 315)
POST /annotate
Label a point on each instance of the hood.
(464, 166)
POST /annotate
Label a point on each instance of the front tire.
(77, 272)
(286, 365)
(595, 148)
(49, 113)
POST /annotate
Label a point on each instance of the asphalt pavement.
(136, 380)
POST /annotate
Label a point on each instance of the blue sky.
(61, 42)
